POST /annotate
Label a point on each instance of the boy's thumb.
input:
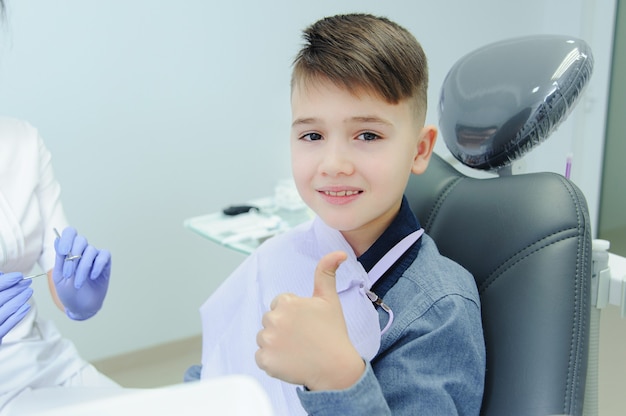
(325, 283)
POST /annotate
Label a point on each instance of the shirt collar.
(402, 225)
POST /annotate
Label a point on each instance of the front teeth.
(341, 193)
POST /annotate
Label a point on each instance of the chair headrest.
(500, 101)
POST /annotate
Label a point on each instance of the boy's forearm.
(363, 397)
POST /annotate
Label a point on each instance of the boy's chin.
(341, 223)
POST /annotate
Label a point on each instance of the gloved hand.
(81, 284)
(14, 295)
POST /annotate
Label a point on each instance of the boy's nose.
(336, 159)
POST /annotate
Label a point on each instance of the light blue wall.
(158, 110)
(613, 203)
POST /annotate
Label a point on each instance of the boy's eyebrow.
(300, 121)
(359, 119)
(370, 119)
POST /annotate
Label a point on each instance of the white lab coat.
(33, 355)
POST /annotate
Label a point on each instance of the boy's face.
(352, 156)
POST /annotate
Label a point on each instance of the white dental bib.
(231, 317)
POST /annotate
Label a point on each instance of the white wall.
(157, 110)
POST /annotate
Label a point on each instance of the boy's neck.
(363, 238)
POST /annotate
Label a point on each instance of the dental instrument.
(568, 165)
(32, 276)
(69, 256)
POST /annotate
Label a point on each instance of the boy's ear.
(425, 146)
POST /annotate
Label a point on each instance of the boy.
(315, 299)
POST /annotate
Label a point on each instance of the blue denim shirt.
(432, 358)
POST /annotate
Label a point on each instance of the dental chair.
(526, 238)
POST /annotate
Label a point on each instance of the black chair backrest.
(527, 241)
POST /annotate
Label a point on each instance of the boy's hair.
(361, 52)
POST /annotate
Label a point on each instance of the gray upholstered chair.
(526, 238)
(527, 241)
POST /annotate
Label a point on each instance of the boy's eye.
(312, 137)
(368, 136)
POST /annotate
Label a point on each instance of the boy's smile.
(352, 155)
(339, 195)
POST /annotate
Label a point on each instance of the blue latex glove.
(81, 284)
(14, 295)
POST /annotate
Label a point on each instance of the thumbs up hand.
(305, 340)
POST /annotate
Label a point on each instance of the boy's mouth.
(341, 193)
